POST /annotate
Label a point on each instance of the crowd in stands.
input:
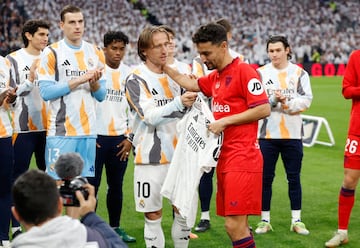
(322, 31)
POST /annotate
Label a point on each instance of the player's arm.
(98, 89)
(189, 83)
(98, 81)
(49, 88)
(3, 95)
(28, 84)
(140, 99)
(252, 114)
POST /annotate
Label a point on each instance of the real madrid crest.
(90, 62)
(142, 203)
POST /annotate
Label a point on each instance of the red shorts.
(352, 153)
(239, 193)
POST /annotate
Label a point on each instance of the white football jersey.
(29, 113)
(197, 152)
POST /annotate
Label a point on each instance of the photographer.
(38, 207)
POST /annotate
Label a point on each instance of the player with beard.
(239, 101)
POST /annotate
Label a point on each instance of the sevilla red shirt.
(233, 90)
(351, 90)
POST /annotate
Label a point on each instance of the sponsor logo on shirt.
(288, 93)
(74, 73)
(66, 62)
(255, 87)
(217, 107)
(114, 95)
(27, 72)
(193, 139)
(160, 101)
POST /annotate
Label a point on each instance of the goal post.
(312, 126)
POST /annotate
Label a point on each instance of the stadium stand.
(328, 27)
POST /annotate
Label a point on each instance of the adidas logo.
(154, 92)
(66, 62)
(269, 82)
(26, 68)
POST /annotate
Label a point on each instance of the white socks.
(265, 215)
(205, 215)
(153, 233)
(295, 216)
(343, 231)
(180, 232)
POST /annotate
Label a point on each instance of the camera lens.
(78, 182)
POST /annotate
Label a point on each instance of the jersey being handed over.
(196, 152)
(285, 121)
(29, 113)
(73, 112)
(155, 99)
(112, 114)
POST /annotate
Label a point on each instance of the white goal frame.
(316, 122)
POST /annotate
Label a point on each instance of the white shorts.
(148, 180)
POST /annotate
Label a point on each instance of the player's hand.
(124, 150)
(8, 95)
(279, 97)
(3, 95)
(188, 98)
(88, 205)
(11, 95)
(94, 80)
(217, 126)
(193, 76)
(95, 76)
(32, 74)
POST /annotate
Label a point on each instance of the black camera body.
(68, 189)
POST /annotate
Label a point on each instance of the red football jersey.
(233, 90)
(351, 90)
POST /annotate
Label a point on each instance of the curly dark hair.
(211, 32)
(112, 36)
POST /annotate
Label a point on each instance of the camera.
(68, 189)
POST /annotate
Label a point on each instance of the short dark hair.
(211, 32)
(145, 40)
(68, 9)
(111, 36)
(35, 197)
(31, 26)
(225, 23)
(282, 39)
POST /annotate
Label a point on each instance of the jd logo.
(255, 87)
